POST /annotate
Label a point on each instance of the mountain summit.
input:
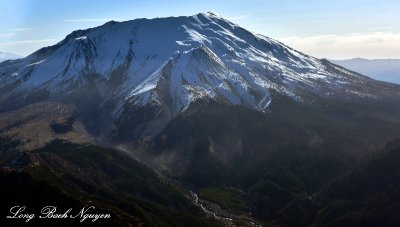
(160, 66)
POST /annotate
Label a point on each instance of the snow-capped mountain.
(8, 56)
(166, 64)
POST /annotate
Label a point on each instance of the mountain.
(379, 69)
(8, 56)
(194, 115)
(127, 68)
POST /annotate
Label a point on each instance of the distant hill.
(379, 69)
(8, 56)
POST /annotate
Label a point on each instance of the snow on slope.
(172, 62)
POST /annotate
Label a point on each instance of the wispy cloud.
(22, 29)
(377, 29)
(239, 17)
(5, 35)
(30, 41)
(367, 45)
(88, 20)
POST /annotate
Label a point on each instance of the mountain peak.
(211, 13)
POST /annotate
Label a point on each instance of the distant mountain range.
(8, 56)
(196, 121)
(379, 69)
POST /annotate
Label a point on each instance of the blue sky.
(325, 28)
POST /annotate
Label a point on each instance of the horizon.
(336, 30)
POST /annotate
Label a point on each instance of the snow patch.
(81, 38)
(35, 63)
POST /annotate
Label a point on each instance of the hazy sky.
(334, 29)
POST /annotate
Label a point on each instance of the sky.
(334, 29)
